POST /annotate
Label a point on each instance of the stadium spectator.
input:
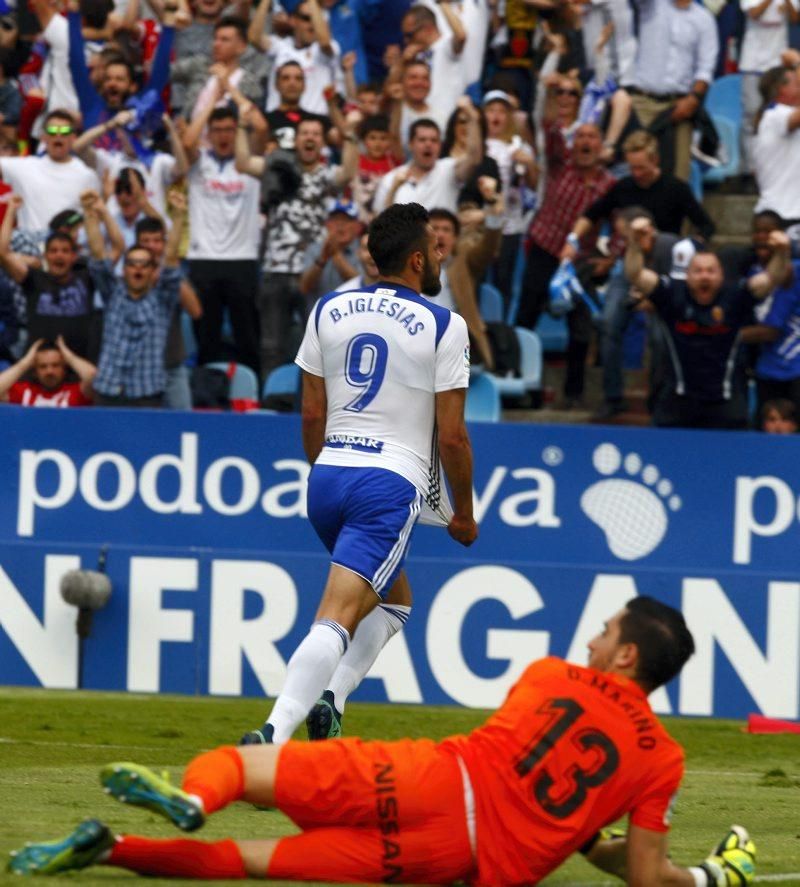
(427, 178)
(474, 18)
(364, 499)
(159, 169)
(669, 200)
(423, 39)
(230, 44)
(224, 237)
(408, 87)
(425, 812)
(59, 301)
(706, 322)
(657, 247)
(675, 61)
(779, 416)
(333, 257)
(310, 45)
(53, 181)
(368, 270)
(48, 363)
(518, 173)
(777, 368)
(465, 255)
(777, 144)
(151, 233)
(766, 37)
(382, 153)
(138, 309)
(293, 225)
(290, 83)
(456, 143)
(58, 89)
(132, 203)
(118, 84)
(575, 179)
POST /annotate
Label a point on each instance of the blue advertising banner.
(216, 571)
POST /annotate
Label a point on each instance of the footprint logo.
(634, 514)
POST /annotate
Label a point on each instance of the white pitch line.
(789, 876)
(6, 741)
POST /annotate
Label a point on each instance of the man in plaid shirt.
(575, 179)
(139, 306)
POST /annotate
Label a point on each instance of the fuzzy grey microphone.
(88, 590)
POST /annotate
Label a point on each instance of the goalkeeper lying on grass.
(571, 750)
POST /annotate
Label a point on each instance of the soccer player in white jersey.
(385, 376)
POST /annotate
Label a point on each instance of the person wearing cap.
(333, 258)
(706, 322)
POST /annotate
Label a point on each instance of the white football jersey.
(384, 351)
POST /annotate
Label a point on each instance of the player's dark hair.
(67, 218)
(60, 235)
(422, 15)
(47, 345)
(441, 213)
(661, 637)
(395, 234)
(422, 123)
(121, 62)
(375, 123)
(369, 86)
(233, 21)
(149, 225)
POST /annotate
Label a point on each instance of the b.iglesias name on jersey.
(380, 303)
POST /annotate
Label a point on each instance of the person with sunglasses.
(50, 182)
(310, 45)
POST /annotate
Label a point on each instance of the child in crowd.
(379, 157)
(779, 416)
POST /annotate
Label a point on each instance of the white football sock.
(369, 639)
(308, 673)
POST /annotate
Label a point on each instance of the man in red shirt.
(571, 750)
(48, 363)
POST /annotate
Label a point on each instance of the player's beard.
(431, 284)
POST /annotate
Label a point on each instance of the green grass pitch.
(53, 743)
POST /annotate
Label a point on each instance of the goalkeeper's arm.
(640, 858)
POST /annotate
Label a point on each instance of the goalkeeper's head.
(662, 640)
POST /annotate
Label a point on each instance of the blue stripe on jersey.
(441, 316)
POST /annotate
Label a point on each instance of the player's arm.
(455, 451)
(640, 858)
(314, 412)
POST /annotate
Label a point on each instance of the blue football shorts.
(364, 517)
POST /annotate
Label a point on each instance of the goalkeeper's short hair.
(661, 636)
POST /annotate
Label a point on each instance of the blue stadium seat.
(552, 333)
(483, 400)
(724, 99)
(189, 340)
(244, 382)
(729, 135)
(530, 347)
(284, 379)
(491, 303)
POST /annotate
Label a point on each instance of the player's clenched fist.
(463, 530)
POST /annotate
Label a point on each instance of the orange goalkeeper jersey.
(570, 751)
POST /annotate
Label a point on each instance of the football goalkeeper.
(571, 750)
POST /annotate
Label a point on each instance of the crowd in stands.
(182, 179)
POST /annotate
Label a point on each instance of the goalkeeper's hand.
(733, 861)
